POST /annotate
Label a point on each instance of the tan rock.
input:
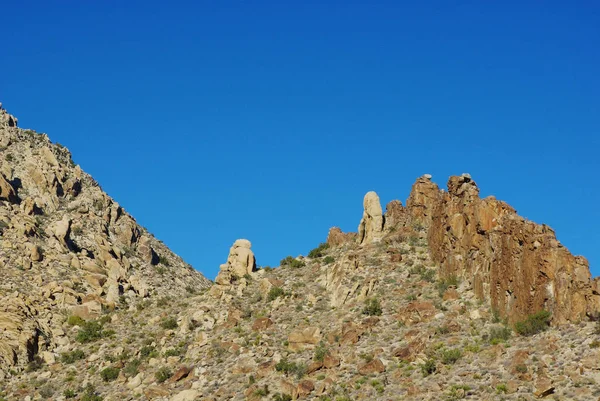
(370, 228)
(300, 338)
(240, 262)
(7, 192)
(373, 367)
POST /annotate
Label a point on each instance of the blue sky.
(215, 120)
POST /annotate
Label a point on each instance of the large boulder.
(370, 228)
(7, 192)
(240, 262)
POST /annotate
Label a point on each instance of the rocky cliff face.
(516, 265)
(66, 246)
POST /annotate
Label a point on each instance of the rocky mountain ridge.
(66, 246)
(450, 297)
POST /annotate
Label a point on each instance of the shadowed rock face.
(518, 265)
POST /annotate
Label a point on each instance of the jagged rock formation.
(240, 262)
(66, 246)
(113, 314)
(371, 224)
(516, 265)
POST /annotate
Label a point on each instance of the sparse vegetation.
(428, 367)
(109, 374)
(73, 356)
(291, 368)
(163, 374)
(318, 251)
(169, 323)
(274, 293)
(534, 323)
(372, 307)
(290, 261)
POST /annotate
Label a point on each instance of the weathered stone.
(371, 225)
(240, 262)
(372, 367)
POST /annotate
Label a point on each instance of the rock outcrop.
(517, 265)
(370, 228)
(240, 262)
(68, 246)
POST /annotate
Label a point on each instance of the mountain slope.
(67, 247)
(449, 297)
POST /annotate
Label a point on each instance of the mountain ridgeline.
(448, 297)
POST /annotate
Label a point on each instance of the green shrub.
(321, 352)
(450, 356)
(147, 351)
(169, 324)
(534, 323)
(282, 397)
(428, 367)
(318, 251)
(90, 394)
(172, 352)
(109, 374)
(499, 334)
(90, 331)
(372, 307)
(288, 368)
(73, 356)
(163, 374)
(328, 260)
(68, 393)
(292, 262)
(75, 321)
(274, 293)
(131, 369)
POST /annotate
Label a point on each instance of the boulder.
(370, 228)
(7, 192)
(240, 262)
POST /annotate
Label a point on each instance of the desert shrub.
(372, 307)
(274, 293)
(290, 261)
(148, 351)
(169, 324)
(318, 251)
(450, 356)
(47, 391)
(282, 397)
(321, 352)
(297, 369)
(534, 323)
(35, 364)
(428, 367)
(499, 334)
(91, 331)
(328, 259)
(68, 393)
(73, 356)
(109, 374)
(75, 321)
(163, 374)
(131, 369)
(172, 352)
(445, 283)
(90, 394)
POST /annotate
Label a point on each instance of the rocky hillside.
(450, 297)
(67, 248)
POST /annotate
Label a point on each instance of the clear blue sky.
(216, 120)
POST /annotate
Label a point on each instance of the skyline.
(217, 121)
